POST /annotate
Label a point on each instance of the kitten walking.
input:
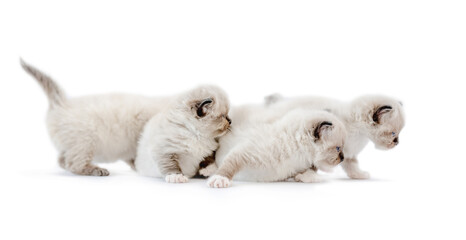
(369, 118)
(97, 129)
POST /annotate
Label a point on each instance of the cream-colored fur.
(176, 141)
(358, 117)
(278, 148)
(95, 129)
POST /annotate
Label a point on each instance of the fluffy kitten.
(244, 116)
(101, 128)
(369, 118)
(176, 141)
(296, 145)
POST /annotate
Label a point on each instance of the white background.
(412, 50)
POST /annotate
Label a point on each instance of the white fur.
(309, 176)
(277, 150)
(108, 124)
(209, 170)
(105, 128)
(179, 133)
(176, 178)
(217, 181)
(357, 117)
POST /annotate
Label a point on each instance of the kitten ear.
(321, 129)
(201, 107)
(378, 114)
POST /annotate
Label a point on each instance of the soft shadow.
(343, 179)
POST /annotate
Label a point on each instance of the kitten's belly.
(113, 157)
(115, 150)
(270, 174)
(255, 175)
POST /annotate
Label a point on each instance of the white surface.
(413, 50)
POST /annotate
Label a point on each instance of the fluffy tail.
(54, 93)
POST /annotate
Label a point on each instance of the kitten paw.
(95, 171)
(359, 175)
(209, 170)
(308, 178)
(176, 178)
(217, 181)
(100, 172)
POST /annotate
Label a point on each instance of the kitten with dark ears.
(369, 118)
(176, 141)
(295, 145)
(105, 128)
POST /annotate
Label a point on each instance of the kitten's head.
(207, 108)
(326, 134)
(381, 119)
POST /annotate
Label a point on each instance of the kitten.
(295, 145)
(244, 116)
(176, 141)
(101, 128)
(368, 118)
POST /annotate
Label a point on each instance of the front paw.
(359, 175)
(176, 178)
(209, 170)
(308, 178)
(218, 181)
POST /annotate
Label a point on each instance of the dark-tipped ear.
(379, 112)
(321, 128)
(202, 107)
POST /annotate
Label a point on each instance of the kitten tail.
(54, 93)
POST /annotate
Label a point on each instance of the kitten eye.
(338, 149)
(393, 134)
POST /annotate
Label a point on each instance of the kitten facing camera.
(176, 141)
(296, 145)
(373, 118)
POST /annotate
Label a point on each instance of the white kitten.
(376, 118)
(102, 128)
(176, 141)
(295, 145)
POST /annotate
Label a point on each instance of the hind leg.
(78, 160)
(130, 163)
(61, 160)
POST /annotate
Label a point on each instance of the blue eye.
(338, 149)
(393, 134)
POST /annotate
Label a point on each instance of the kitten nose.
(395, 141)
(341, 156)
(229, 120)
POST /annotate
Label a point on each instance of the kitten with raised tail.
(177, 140)
(295, 145)
(95, 129)
(373, 118)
